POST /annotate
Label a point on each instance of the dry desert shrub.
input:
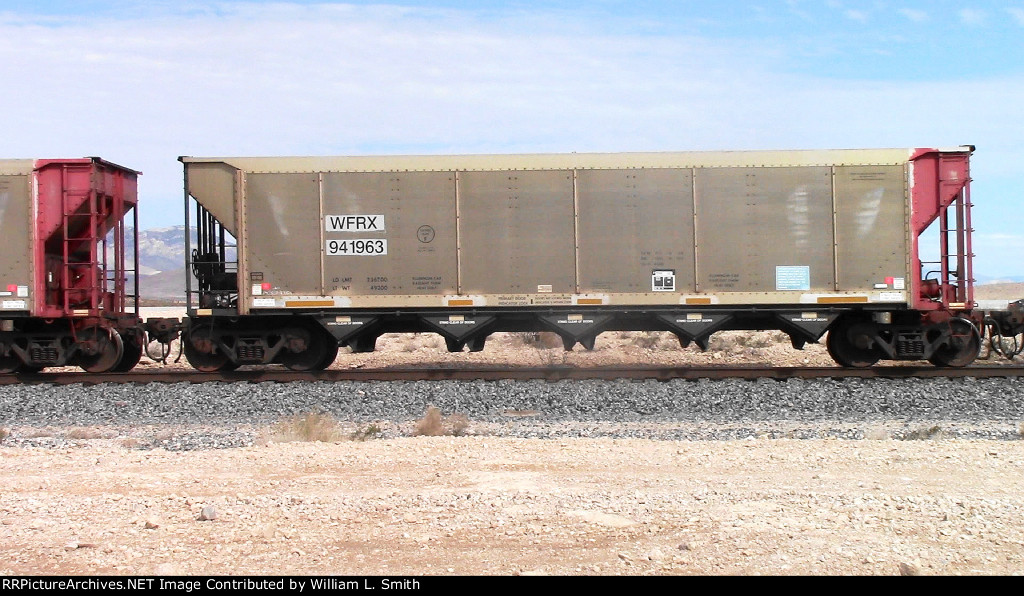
(368, 432)
(646, 339)
(458, 425)
(434, 425)
(723, 341)
(4, 433)
(654, 340)
(418, 341)
(732, 340)
(430, 425)
(553, 358)
(164, 435)
(130, 443)
(541, 340)
(84, 434)
(308, 427)
(544, 344)
(923, 433)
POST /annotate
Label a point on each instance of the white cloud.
(917, 16)
(856, 15)
(796, 10)
(266, 77)
(972, 16)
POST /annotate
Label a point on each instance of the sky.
(142, 82)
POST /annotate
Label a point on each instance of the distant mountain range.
(988, 279)
(162, 249)
(162, 264)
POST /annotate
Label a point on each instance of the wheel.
(329, 356)
(964, 345)
(10, 363)
(321, 350)
(213, 361)
(132, 353)
(843, 349)
(109, 350)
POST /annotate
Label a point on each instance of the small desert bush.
(653, 340)
(365, 433)
(4, 433)
(309, 427)
(84, 434)
(458, 425)
(553, 358)
(542, 340)
(419, 341)
(163, 436)
(923, 433)
(430, 425)
(130, 443)
(646, 339)
(732, 340)
(434, 425)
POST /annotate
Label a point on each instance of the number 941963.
(376, 246)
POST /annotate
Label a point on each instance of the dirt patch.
(482, 505)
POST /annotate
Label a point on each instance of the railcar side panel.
(764, 229)
(16, 257)
(871, 228)
(389, 233)
(633, 222)
(282, 233)
(517, 232)
(661, 229)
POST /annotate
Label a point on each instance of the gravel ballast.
(214, 415)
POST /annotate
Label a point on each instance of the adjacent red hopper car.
(68, 295)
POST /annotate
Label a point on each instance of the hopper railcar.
(297, 256)
(68, 289)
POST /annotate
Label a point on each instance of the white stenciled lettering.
(359, 247)
(354, 223)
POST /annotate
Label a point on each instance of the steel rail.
(550, 373)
